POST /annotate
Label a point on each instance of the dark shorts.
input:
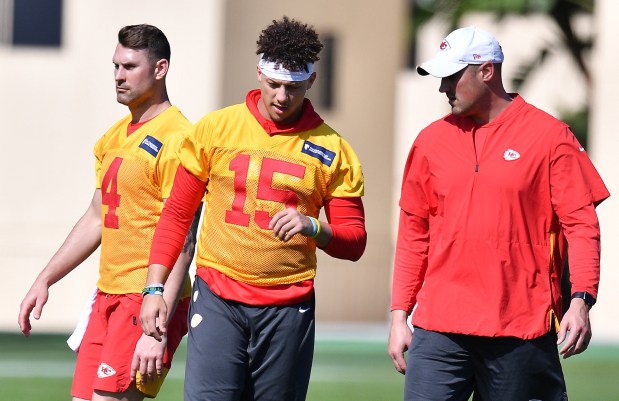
(443, 366)
(242, 352)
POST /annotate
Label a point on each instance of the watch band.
(585, 296)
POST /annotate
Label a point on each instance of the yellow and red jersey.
(251, 175)
(135, 173)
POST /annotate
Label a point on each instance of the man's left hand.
(289, 222)
(575, 329)
(148, 358)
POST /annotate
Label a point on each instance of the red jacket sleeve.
(176, 217)
(411, 261)
(346, 218)
(582, 231)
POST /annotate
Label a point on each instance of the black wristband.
(585, 296)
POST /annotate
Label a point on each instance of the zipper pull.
(476, 168)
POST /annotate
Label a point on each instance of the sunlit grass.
(40, 368)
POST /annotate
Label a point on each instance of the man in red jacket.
(492, 194)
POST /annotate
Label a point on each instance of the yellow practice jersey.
(251, 176)
(135, 173)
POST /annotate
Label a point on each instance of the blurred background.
(56, 80)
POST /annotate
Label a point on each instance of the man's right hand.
(32, 303)
(153, 316)
(400, 337)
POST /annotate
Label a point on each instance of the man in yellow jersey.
(268, 165)
(135, 167)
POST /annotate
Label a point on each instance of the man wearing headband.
(267, 166)
(491, 196)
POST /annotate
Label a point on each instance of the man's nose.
(444, 87)
(282, 94)
(119, 74)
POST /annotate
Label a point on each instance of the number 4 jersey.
(251, 175)
(135, 173)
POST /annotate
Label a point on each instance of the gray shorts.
(443, 366)
(251, 353)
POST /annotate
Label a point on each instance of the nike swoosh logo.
(303, 310)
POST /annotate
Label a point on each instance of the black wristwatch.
(585, 296)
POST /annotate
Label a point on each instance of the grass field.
(40, 368)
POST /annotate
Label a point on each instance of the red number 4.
(240, 165)
(109, 193)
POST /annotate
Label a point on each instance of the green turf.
(40, 368)
(354, 371)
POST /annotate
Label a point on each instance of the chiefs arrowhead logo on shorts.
(105, 370)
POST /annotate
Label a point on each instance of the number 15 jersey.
(252, 175)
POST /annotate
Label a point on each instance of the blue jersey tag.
(324, 155)
(151, 145)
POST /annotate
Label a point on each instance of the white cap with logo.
(460, 48)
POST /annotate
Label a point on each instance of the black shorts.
(250, 353)
(443, 366)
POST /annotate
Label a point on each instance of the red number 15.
(240, 166)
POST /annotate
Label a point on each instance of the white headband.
(274, 70)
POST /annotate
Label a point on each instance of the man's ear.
(161, 68)
(259, 73)
(487, 71)
(311, 80)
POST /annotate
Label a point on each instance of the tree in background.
(562, 13)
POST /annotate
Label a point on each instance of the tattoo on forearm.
(190, 240)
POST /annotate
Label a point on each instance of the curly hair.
(289, 43)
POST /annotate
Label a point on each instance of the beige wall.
(604, 144)
(55, 104)
(213, 59)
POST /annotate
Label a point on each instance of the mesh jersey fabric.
(135, 173)
(252, 175)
